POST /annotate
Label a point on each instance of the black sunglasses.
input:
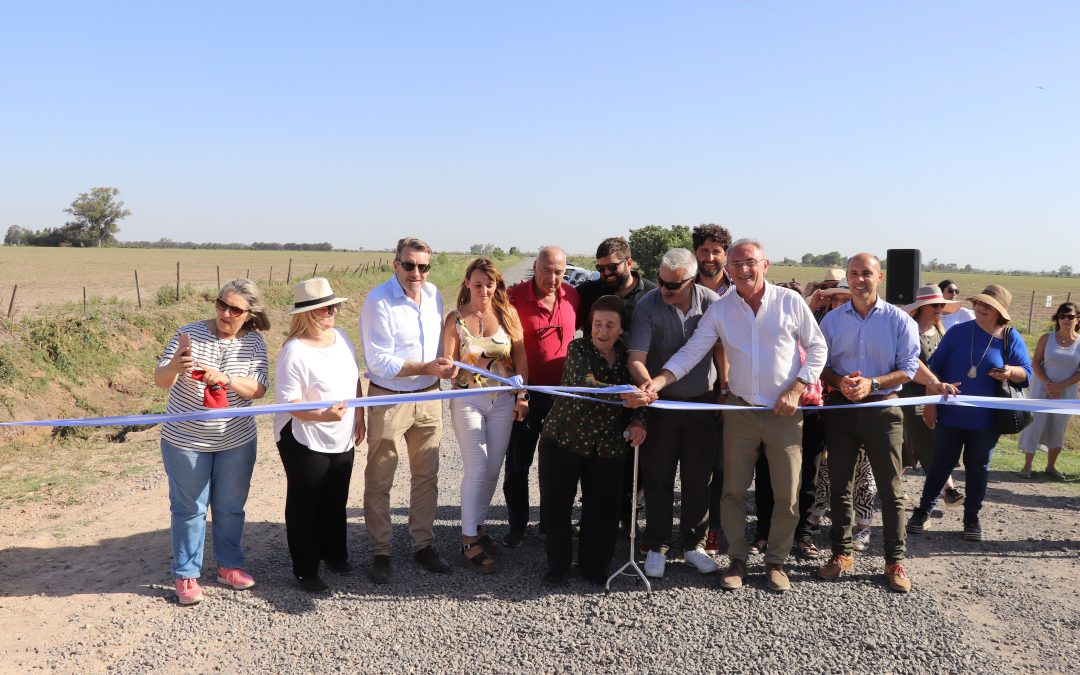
(672, 285)
(1067, 317)
(410, 266)
(952, 290)
(225, 307)
(609, 267)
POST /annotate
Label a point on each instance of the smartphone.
(184, 342)
(996, 371)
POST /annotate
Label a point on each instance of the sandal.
(808, 550)
(491, 547)
(758, 546)
(478, 562)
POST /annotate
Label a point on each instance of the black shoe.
(340, 567)
(597, 577)
(431, 561)
(555, 577)
(313, 584)
(972, 530)
(513, 538)
(919, 521)
(380, 569)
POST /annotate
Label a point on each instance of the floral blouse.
(587, 427)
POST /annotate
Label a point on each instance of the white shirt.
(395, 330)
(959, 316)
(308, 373)
(762, 349)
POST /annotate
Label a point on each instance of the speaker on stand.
(903, 267)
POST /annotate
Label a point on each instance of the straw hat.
(841, 287)
(931, 295)
(313, 293)
(998, 297)
(834, 274)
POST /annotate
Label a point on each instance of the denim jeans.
(977, 446)
(197, 480)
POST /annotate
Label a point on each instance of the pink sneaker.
(237, 578)
(188, 591)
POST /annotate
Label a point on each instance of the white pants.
(482, 426)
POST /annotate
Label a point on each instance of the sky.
(950, 127)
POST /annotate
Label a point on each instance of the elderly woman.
(212, 363)
(484, 331)
(317, 363)
(1057, 372)
(974, 356)
(927, 310)
(586, 441)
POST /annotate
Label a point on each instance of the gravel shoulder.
(87, 588)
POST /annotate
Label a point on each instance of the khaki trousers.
(420, 426)
(746, 434)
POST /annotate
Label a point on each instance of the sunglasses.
(1067, 317)
(610, 268)
(226, 308)
(938, 305)
(328, 310)
(952, 290)
(672, 285)
(410, 266)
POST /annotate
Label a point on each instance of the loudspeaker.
(902, 275)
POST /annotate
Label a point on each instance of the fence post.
(314, 271)
(138, 292)
(84, 300)
(178, 281)
(1068, 297)
(1031, 311)
(271, 281)
(11, 305)
(288, 275)
(247, 273)
(218, 276)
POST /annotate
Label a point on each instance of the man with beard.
(617, 277)
(711, 243)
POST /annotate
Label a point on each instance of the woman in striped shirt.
(209, 462)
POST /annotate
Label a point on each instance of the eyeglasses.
(953, 290)
(743, 264)
(610, 268)
(672, 285)
(328, 310)
(226, 308)
(410, 266)
(551, 329)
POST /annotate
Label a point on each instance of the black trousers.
(601, 490)
(519, 459)
(813, 439)
(317, 490)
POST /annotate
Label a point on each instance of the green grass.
(1008, 458)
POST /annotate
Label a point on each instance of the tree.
(97, 214)
(649, 244)
(1065, 271)
(514, 250)
(17, 236)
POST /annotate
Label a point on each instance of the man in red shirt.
(547, 308)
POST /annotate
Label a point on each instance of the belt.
(835, 398)
(413, 391)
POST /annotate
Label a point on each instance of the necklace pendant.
(971, 373)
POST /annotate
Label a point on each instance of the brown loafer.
(776, 578)
(837, 565)
(732, 578)
(897, 578)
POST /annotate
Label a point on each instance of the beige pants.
(745, 435)
(420, 426)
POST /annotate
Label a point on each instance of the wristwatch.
(874, 384)
(524, 396)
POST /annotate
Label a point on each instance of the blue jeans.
(977, 446)
(219, 480)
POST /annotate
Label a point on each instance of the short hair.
(747, 241)
(613, 246)
(610, 303)
(679, 259)
(847, 263)
(945, 283)
(413, 243)
(550, 252)
(258, 319)
(717, 233)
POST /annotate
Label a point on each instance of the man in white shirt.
(401, 325)
(761, 327)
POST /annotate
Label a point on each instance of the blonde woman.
(483, 331)
(317, 363)
(209, 462)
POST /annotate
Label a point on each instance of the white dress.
(1047, 430)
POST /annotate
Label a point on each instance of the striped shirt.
(886, 340)
(239, 357)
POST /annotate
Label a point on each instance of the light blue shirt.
(395, 329)
(885, 341)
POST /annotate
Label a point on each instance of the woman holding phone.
(212, 363)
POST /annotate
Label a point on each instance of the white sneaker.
(860, 540)
(654, 564)
(701, 560)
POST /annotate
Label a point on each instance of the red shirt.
(547, 334)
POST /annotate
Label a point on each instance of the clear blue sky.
(952, 127)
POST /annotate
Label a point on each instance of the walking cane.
(631, 563)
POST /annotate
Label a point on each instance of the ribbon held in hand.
(214, 395)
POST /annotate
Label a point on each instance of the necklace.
(974, 369)
(480, 316)
(1066, 341)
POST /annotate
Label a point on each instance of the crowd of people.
(709, 329)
